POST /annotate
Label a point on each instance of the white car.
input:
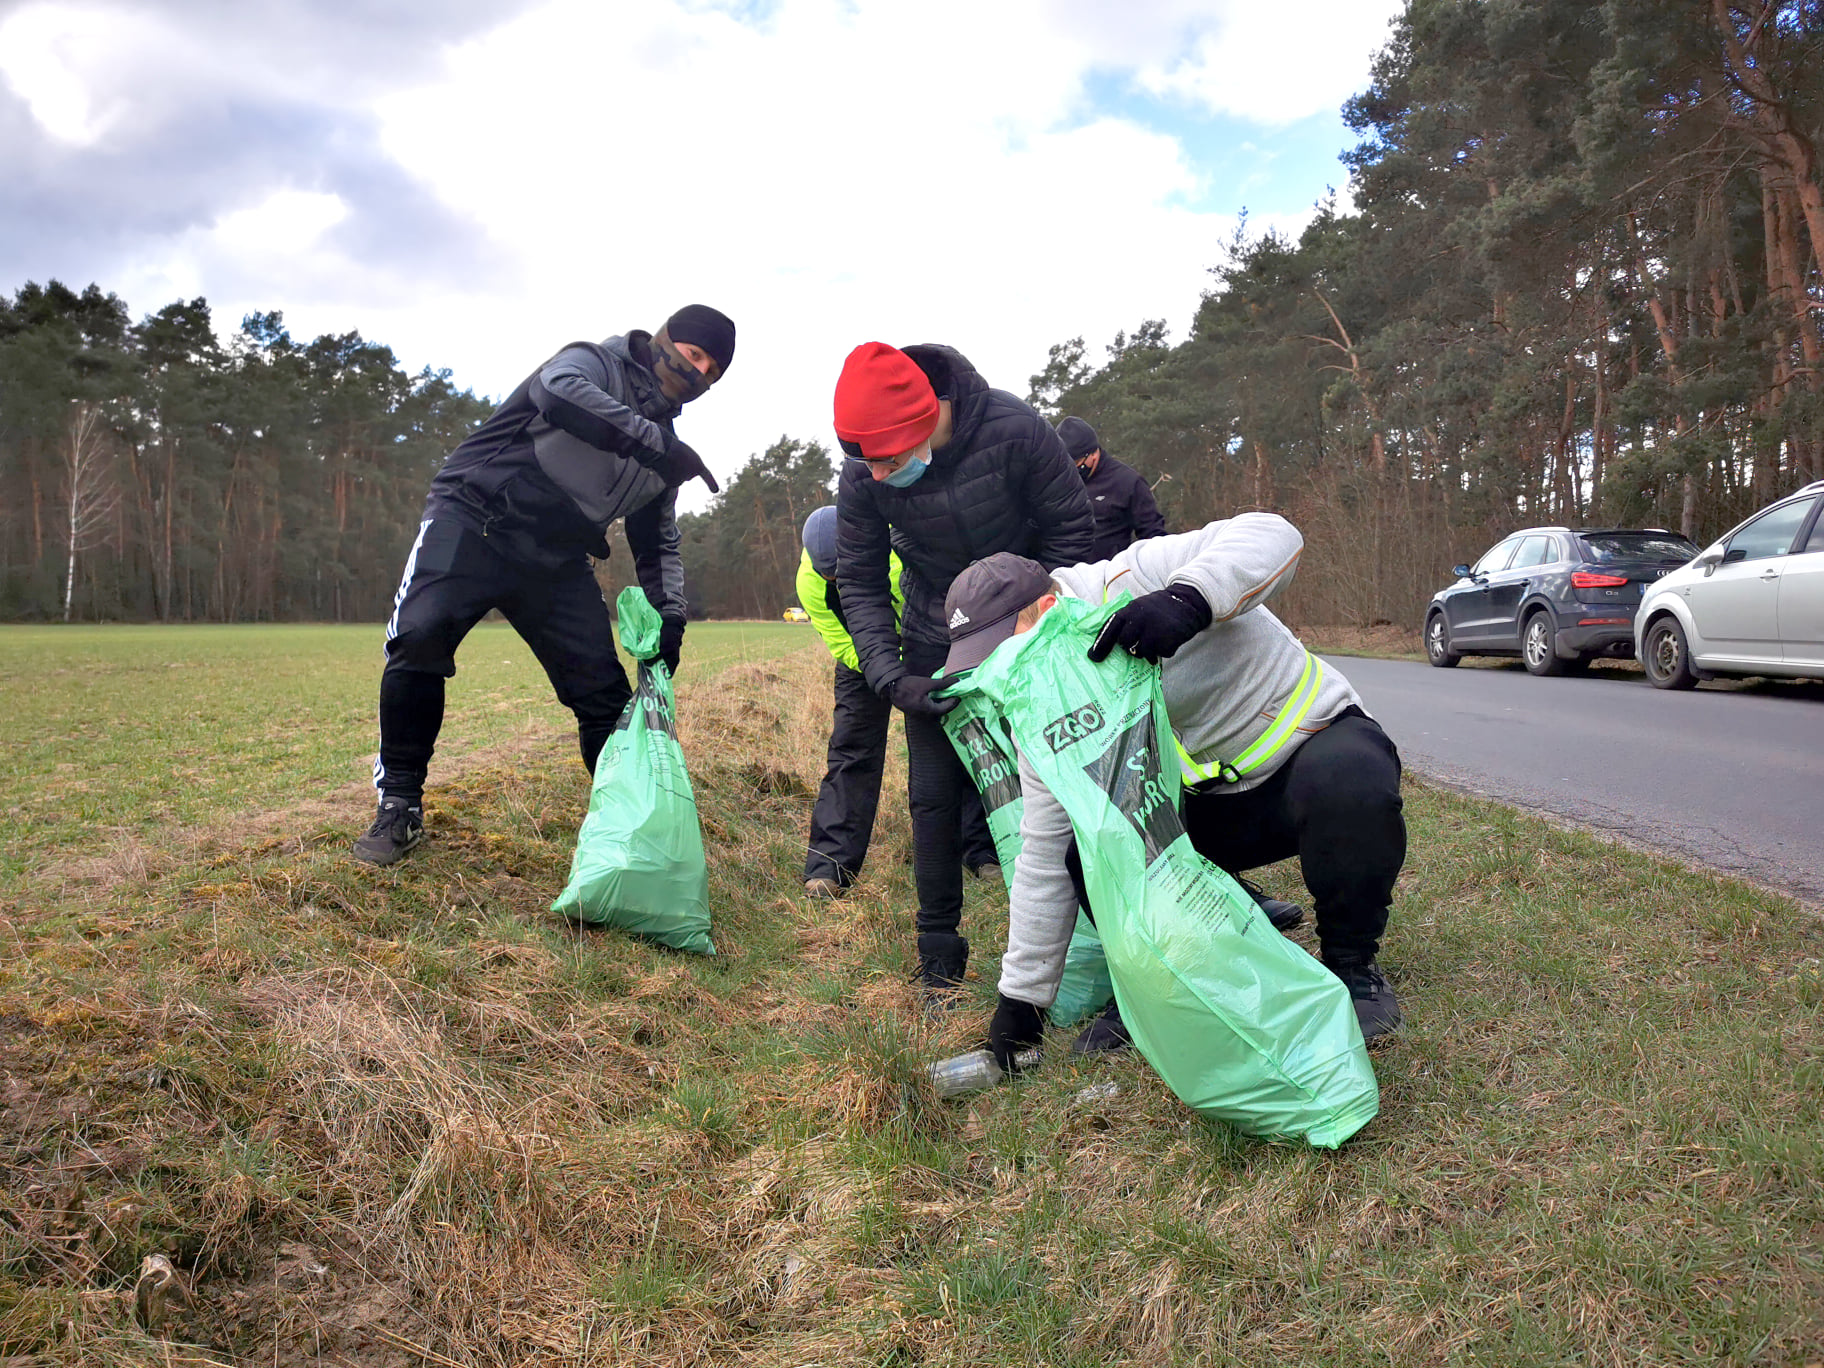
(1751, 604)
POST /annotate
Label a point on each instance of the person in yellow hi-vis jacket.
(842, 822)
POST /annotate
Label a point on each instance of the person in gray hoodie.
(1277, 754)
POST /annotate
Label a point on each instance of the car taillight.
(1589, 579)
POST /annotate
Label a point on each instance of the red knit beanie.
(884, 403)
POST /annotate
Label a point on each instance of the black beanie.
(704, 327)
(1079, 437)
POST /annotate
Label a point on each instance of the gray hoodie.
(1223, 690)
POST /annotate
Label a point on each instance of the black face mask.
(680, 380)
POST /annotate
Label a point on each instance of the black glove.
(1154, 625)
(679, 463)
(671, 642)
(911, 694)
(1017, 1027)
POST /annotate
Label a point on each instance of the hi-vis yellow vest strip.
(1271, 742)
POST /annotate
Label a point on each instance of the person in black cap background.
(842, 820)
(511, 521)
(1120, 500)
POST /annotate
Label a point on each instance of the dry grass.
(406, 1117)
(1386, 640)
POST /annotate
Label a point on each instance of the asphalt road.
(1730, 777)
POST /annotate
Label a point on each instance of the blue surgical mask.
(908, 474)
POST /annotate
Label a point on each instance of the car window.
(1605, 547)
(1815, 542)
(1534, 550)
(1770, 534)
(1497, 557)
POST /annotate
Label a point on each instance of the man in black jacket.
(943, 470)
(1119, 498)
(510, 523)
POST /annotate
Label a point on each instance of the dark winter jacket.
(1002, 483)
(564, 456)
(1122, 505)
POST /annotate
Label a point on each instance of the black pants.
(937, 785)
(842, 822)
(1336, 806)
(452, 578)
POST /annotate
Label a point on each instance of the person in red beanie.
(944, 470)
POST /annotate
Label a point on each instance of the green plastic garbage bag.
(639, 856)
(1086, 985)
(1241, 1023)
(981, 737)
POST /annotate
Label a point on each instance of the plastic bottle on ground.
(973, 1072)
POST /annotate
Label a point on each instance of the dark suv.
(1555, 597)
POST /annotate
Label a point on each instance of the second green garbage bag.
(1241, 1023)
(981, 738)
(639, 857)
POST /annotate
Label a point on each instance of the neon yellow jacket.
(813, 597)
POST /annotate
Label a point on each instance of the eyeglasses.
(852, 451)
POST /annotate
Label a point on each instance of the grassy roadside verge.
(402, 1117)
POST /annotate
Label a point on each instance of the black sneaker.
(397, 828)
(943, 959)
(1284, 915)
(1376, 1008)
(1107, 1032)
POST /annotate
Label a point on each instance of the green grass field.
(406, 1117)
(135, 733)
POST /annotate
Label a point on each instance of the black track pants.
(452, 578)
(1336, 806)
(842, 822)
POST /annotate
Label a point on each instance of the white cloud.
(283, 224)
(830, 172)
(840, 174)
(41, 56)
(1257, 62)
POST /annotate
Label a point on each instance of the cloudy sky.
(475, 182)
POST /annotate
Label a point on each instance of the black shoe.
(1284, 915)
(1376, 1008)
(990, 870)
(943, 959)
(1107, 1032)
(397, 828)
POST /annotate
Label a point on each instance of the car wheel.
(1666, 657)
(1437, 643)
(1539, 646)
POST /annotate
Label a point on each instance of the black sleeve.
(1056, 501)
(863, 578)
(1143, 510)
(652, 536)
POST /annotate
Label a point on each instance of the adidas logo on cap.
(958, 619)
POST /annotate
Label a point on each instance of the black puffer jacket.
(1002, 483)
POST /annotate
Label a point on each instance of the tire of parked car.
(1539, 645)
(1666, 656)
(1437, 643)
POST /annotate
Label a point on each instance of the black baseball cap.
(984, 601)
